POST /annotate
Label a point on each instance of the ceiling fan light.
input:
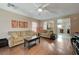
(40, 10)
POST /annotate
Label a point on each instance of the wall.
(74, 23)
(5, 22)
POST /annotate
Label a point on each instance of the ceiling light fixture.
(40, 10)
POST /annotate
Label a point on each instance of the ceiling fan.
(42, 8)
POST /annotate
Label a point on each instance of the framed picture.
(14, 23)
(25, 24)
(21, 24)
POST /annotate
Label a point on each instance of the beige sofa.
(46, 34)
(17, 37)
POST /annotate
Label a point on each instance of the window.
(59, 26)
(45, 26)
(34, 26)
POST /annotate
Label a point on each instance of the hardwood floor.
(61, 46)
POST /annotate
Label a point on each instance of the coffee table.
(31, 39)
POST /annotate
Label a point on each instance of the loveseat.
(17, 37)
(48, 34)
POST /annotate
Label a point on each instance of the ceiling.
(50, 10)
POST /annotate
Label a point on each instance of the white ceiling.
(50, 10)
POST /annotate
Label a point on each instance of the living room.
(20, 27)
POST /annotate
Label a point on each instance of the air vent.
(11, 5)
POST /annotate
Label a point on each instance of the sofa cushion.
(14, 35)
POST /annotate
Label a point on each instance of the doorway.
(63, 26)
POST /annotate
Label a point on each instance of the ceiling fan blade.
(52, 12)
(41, 6)
(45, 5)
(35, 5)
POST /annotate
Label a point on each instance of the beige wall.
(74, 23)
(5, 22)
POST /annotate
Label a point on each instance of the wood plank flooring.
(61, 46)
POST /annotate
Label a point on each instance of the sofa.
(48, 34)
(17, 37)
